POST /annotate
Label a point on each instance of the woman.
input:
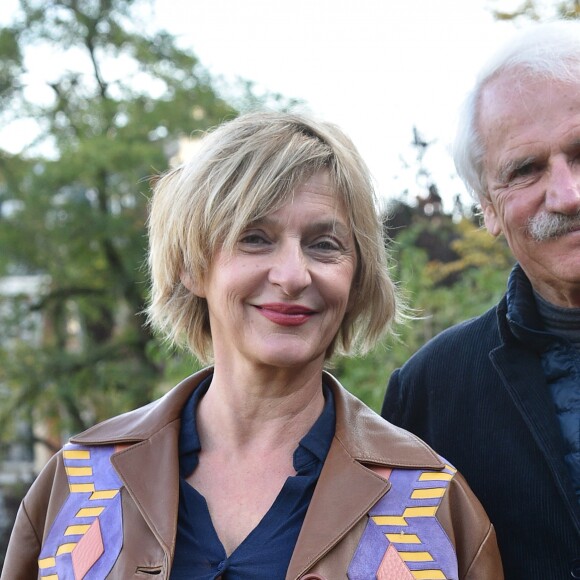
(266, 258)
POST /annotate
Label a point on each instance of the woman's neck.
(262, 411)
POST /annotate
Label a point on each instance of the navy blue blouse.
(265, 553)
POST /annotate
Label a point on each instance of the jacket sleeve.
(21, 557)
(36, 512)
(466, 522)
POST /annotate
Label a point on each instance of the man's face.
(531, 134)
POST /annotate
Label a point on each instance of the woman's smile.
(286, 314)
(294, 266)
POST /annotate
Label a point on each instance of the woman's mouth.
(286, 314)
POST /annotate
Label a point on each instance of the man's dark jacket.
(478, 396)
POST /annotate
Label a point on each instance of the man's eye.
(525, 170)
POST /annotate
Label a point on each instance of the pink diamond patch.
(89, 549)
(392, 567)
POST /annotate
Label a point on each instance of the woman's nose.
(289, 269)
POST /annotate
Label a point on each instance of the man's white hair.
(542, 51)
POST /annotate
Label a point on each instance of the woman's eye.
(327, 245)
(253, 239)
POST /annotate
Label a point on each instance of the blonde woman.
(267, 257)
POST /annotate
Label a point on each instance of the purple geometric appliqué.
(369, 553)
(424, 533)
(97, 554)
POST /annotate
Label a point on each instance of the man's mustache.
(546, 226)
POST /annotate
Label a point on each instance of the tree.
(448, 270)
(540, 9)
(447, 267)
(74, 203)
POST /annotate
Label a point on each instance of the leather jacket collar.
(148, 465)
(352, 417)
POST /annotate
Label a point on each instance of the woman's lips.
(286, 314)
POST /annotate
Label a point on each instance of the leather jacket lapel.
(345, 493)
(150, 472)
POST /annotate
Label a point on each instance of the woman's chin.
(291, 358)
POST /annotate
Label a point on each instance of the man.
(499, 395)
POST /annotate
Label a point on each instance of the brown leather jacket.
(349, 486)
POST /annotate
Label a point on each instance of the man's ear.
(490, 218)
(195, 286)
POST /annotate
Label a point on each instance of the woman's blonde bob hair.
(246, 169)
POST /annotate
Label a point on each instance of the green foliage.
(539, 10)
(74, 205)
(440, 293)
(444, 289)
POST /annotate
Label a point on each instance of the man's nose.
(563, 192)
(289, 269)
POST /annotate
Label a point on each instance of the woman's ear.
(195, 286)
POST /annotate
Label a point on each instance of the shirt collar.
(313, 447)
(308, 458)
(523, 317)
(189, 444)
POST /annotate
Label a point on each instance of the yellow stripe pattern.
(77, 486)
(90, 512)
(79, 471)
(76, 454)
(66, 548)
(46, 563)
(428, 574)
(402, 539)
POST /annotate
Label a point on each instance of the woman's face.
(279, 298)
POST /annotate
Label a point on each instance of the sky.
(377, 68)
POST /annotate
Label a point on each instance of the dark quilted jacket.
(479, 396)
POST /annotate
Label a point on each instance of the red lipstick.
(286, 314)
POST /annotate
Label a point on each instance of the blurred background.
(99, 96)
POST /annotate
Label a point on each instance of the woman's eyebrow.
(333, 225)
(330, 226)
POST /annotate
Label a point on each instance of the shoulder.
(48, 489)
(38, 509)
(369, 439)
(141, 424)
(436, 512)
(464, 518)
(444, 365)
(456, 346)
(481, 328)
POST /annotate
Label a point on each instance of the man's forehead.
(514, 87)
(537, 109)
